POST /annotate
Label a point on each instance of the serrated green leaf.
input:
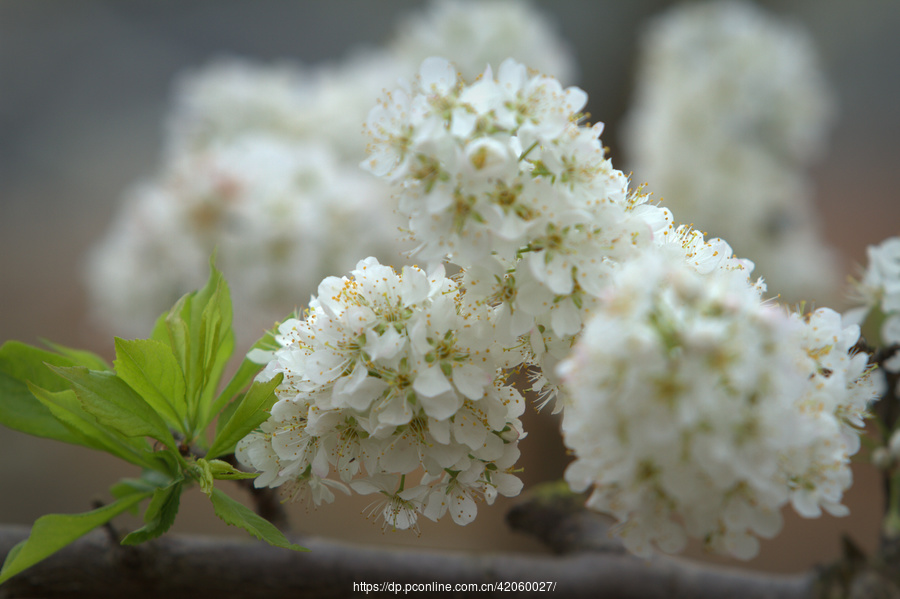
(213, 376)
(198, 331)
(160, 514)
(151, 369)
(171, 328)
(114, 404)
(246, 372)
(79, 357)
(19, 409)
(65, 406)
(237, 514)
(212, 338)
(149, 481)
(226, 415)
(53, 532)
(252, 411)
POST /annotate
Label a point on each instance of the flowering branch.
(213, 567)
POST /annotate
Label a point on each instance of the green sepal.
(160, 514)
(237, 514)
(151, 369)
(204, 475)
(68, 410)
(221, 470)
(209, 471)
(114, 404)
(252, 411)
(52, 532)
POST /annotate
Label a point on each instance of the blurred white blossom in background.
(262, 163)
(731, 109)
(878, 295)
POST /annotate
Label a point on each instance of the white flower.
(879, 289)
(400, 507)
(280, 214)
(387, 373)
(474, 34)
(694, 409)
(730, 110)
(498, 165)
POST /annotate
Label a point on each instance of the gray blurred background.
(85, 85)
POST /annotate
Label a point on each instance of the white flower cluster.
(269, 206)
(879, 293)
(500, 177)
(389, 377)
(693, 407)
(279, 145)
(730, 110)
(696, 410)
(476, 33)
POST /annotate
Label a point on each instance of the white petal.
(431, 382)
(463, 509)
(471, 380)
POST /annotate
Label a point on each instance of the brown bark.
(197, 567)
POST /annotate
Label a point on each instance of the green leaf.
(198, 331)
(171, 329)
(53, 532)
(244, 375)
(214, 375)
(160, 514)
(65, 406)
(116, 405)
(151, 369)
(252, 411)
(212, 337)
(237, 514)
(79, 357)
(149, 482)
(19, 409)
(226, 415)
